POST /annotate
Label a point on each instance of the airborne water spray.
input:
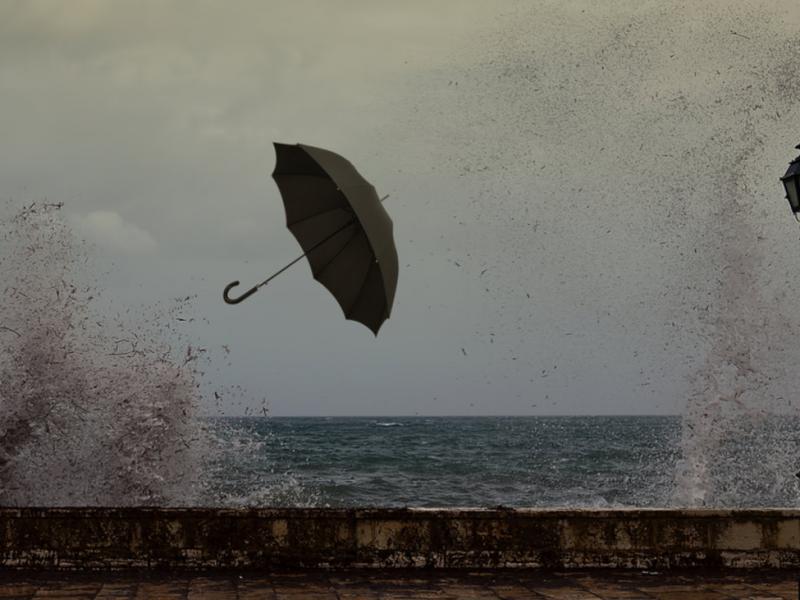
(94, 409)
(623, 160)
(739, 446)
(101, 405)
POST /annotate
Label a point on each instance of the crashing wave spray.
(93, 410)
(737, 443)
(660, 120)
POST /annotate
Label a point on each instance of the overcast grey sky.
(555, 172)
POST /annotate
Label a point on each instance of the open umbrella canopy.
(345, 232)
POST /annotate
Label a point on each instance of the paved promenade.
(390, 585)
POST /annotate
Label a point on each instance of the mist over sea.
(596, 462)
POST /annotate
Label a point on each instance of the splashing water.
(243, 472)
(93, 410)
(739, 442)
(99, 407)
(627, 157)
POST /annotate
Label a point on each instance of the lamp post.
(791, 181)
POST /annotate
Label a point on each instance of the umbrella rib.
(338, 252)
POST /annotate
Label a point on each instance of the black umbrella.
(343, 229)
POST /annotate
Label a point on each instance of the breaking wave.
(101, 405)
(95, 409)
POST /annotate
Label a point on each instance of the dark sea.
(447, 461)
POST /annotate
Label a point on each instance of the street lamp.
(791, 181)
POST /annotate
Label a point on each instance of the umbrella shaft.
(307, 252)
(255, 288)
(314, 247)
(274, 275)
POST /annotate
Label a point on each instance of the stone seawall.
(198, 538)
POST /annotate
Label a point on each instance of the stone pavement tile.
(211, 588)
(399, 580)
(785, 591)
(55, 595)
(629, 595)
(358, 594)
(616, 586)
(311, 588)
(255, 588)
(413, 594)
(390, 585)
(311, 583)
(16, 589)
(76, 588)
(62, 590)
(787, 585)
(565, 592)
(400, 590)
(614, 591)
(407, 595)
(262, 594)
(514, 592)
(474, 576)
(519, 585)
(734, 590)
(464, 591)
(687, 593)
(425, 589)
(297, 594)
(117, 591)
(354, 588)
(151, 590)
(313, 579)
(397, 585)
(666, 584)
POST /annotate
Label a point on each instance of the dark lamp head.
(791, 181)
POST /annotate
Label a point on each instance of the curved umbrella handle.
(254, 289)
(244, 296)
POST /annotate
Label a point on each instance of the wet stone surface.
(396, 585)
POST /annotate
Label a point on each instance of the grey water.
(447, 461)
(582, 461)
